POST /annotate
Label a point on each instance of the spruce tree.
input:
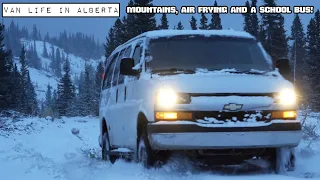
(54, 103)
(3, 71)
(53, 59)
(98, 81)
(24, 81)
(31, 98)
(164, 22)
(313, 61)
(193, 23)
(48, 103)
(298, 51)
(45, 51)
(119, 33)
(87, 94)
(66, 92)
(203, 22)
(129, 23)
(16, 90)
(144, 22)
(180, 26)
(111, 43)
(275, 42)
(34, 60)
(215, 20)
(251, 21)
(34, 32)
(58, 60)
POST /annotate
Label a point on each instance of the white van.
(214, 94)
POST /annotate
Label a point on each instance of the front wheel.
(145, 154)
(284, 160)
(106, 148)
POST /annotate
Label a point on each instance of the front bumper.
(196, 136)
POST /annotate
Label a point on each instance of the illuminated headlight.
(166, 98)
(286, 97)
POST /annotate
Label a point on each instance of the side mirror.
(126, 66)
(283, 65)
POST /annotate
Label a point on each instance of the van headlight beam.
(286, 97)
(166, 98)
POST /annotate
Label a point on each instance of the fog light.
(289, 114)
(173, 116)
(284, 115)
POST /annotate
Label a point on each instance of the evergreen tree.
(66, 91)
(16, 90)
(24, 81)
(215, 20)
(129, 23)
(313, 61)
(31, 98)
(180, 26)
(45, 51)
(164, 22)
(203, 22)
(275, 42)
(298, 51)
(48, 103)
(111, 43)
(34, 32)
(54, 103)
(98, 81)
(58, 60)
(251, 21)
(47, 37)
(87, 94)
(5, 73)
(144, 22)
(53, 59)
(119, 33)
(33, 58)
(48, 100)
(193, 23)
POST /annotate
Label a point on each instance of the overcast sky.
(99, 26)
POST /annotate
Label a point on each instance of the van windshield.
(211, 53)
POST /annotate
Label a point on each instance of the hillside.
(41, 78)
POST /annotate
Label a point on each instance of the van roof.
(168, 33)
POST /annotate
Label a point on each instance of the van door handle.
(117, 96)
(125, 93)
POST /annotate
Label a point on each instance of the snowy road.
(41, 149)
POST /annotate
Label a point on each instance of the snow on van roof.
(167, 33)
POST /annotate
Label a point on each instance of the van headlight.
(166, 98)
(286, 97)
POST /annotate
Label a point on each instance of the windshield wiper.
(248, 72)
(174, 71)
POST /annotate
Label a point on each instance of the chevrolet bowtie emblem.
(232, 107)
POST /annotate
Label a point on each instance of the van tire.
(283, 160)
(105, 148)
(145, 155)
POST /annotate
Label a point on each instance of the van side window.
(117, 69)
(107, 67)
(109, 72)
(137, 54)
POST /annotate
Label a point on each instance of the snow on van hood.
(224, 83)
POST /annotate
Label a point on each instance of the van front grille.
(233, 116)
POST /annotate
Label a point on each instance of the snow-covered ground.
(67, 149)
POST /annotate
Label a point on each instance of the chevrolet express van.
(214, 94)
